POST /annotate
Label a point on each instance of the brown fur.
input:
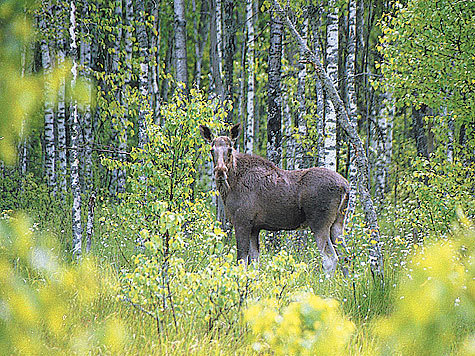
(258, 195)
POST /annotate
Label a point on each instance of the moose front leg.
(254, 246)
(242, 240)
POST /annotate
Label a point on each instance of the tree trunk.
(48, 109)
(418, 130)
(144, 108)
(75, 184)
(180, 43)
(250, 60)
(155, 43)
(300, 159)
(215, 54)
(229, 49)
(86, 115)
(120, 124)
(90, 221)
(332, 70)
(61, 117)
(352, 100)
(274, 116)
(201, 29)
(376, 257)
(450, 139)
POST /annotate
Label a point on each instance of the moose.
(258, 195)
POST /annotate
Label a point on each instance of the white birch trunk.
(216, 84)
(352, 108)
(332, 70)
(219, 34)
(180, 42)
(250, 60)
(61, 118)
(274, 96)
(75, 184)
(85, 109)
(301, 119)
(155, 44)
(144, 109)
(122, 127)
(290, 158)
(48, 111)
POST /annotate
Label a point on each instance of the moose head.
(222, 152)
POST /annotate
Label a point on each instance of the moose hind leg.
(338, 241)
(324, 244)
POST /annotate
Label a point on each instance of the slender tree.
(332, 70)
(144, 108)
(351, 101)
(202, 30)
(48, 105)
(301, 121)
(215, 53)
(274, 99)
(61, 112)
(250, 68)
(180, 42)
(85, 109)
(75, 183)
(229, 50)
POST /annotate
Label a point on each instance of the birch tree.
(332, 70)
(144, 108)
(201, 30)
(61, 112)
(351, 100)
(180, 43)
(75, 184)
(229, 50)
(85, 109)
(375, 254)
(155, 44)
(215, 53)
(250, 68)
(48, 105)
(274, 99)
(301, 112)
(121, 125)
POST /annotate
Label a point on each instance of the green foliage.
(42, 299)
(435, 310)
(431, 193)
(310, 325)
(20, 92)
(428, 53)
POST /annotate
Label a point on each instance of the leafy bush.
(310, 325)
(43, 301)
(435, 307)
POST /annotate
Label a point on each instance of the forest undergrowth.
(162, 276)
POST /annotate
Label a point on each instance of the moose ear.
(206, 133)
(235, 132)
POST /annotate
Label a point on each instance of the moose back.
(258, 195)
